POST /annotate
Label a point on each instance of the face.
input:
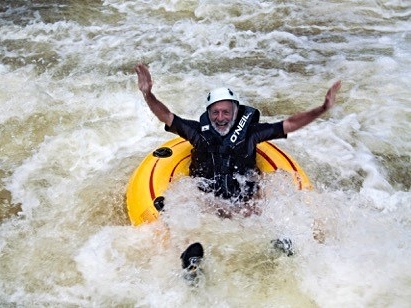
(222, 116)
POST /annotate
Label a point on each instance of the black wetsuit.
(220, 160)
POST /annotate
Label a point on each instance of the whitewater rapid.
(74, 127)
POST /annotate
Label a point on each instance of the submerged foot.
(190, 261)
(284, 245)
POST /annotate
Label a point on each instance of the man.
(226, 137)
(224, 141)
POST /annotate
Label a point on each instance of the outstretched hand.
(331, 94)
(144, 78)
(145, 84)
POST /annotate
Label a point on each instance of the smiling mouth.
(223, 128)
(222, 124)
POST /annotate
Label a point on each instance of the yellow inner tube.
(152, 177)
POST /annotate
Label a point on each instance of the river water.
(74, 127)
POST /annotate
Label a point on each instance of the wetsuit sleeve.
(187, 129)
(267, 131)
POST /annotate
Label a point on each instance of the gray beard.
(225, 131)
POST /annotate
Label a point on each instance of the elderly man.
(224, 147)
(226, 136)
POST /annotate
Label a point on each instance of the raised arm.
(300, 119)
(145, 84)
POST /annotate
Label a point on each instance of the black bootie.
(190, 261)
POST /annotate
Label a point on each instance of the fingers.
(336, 86)
(330, 97)
(334, 89)
(139, 67)
(144, 78)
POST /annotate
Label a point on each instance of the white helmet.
(221, 94)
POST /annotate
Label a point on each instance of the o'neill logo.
(239, 127)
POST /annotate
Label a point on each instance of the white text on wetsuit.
(240, 127)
